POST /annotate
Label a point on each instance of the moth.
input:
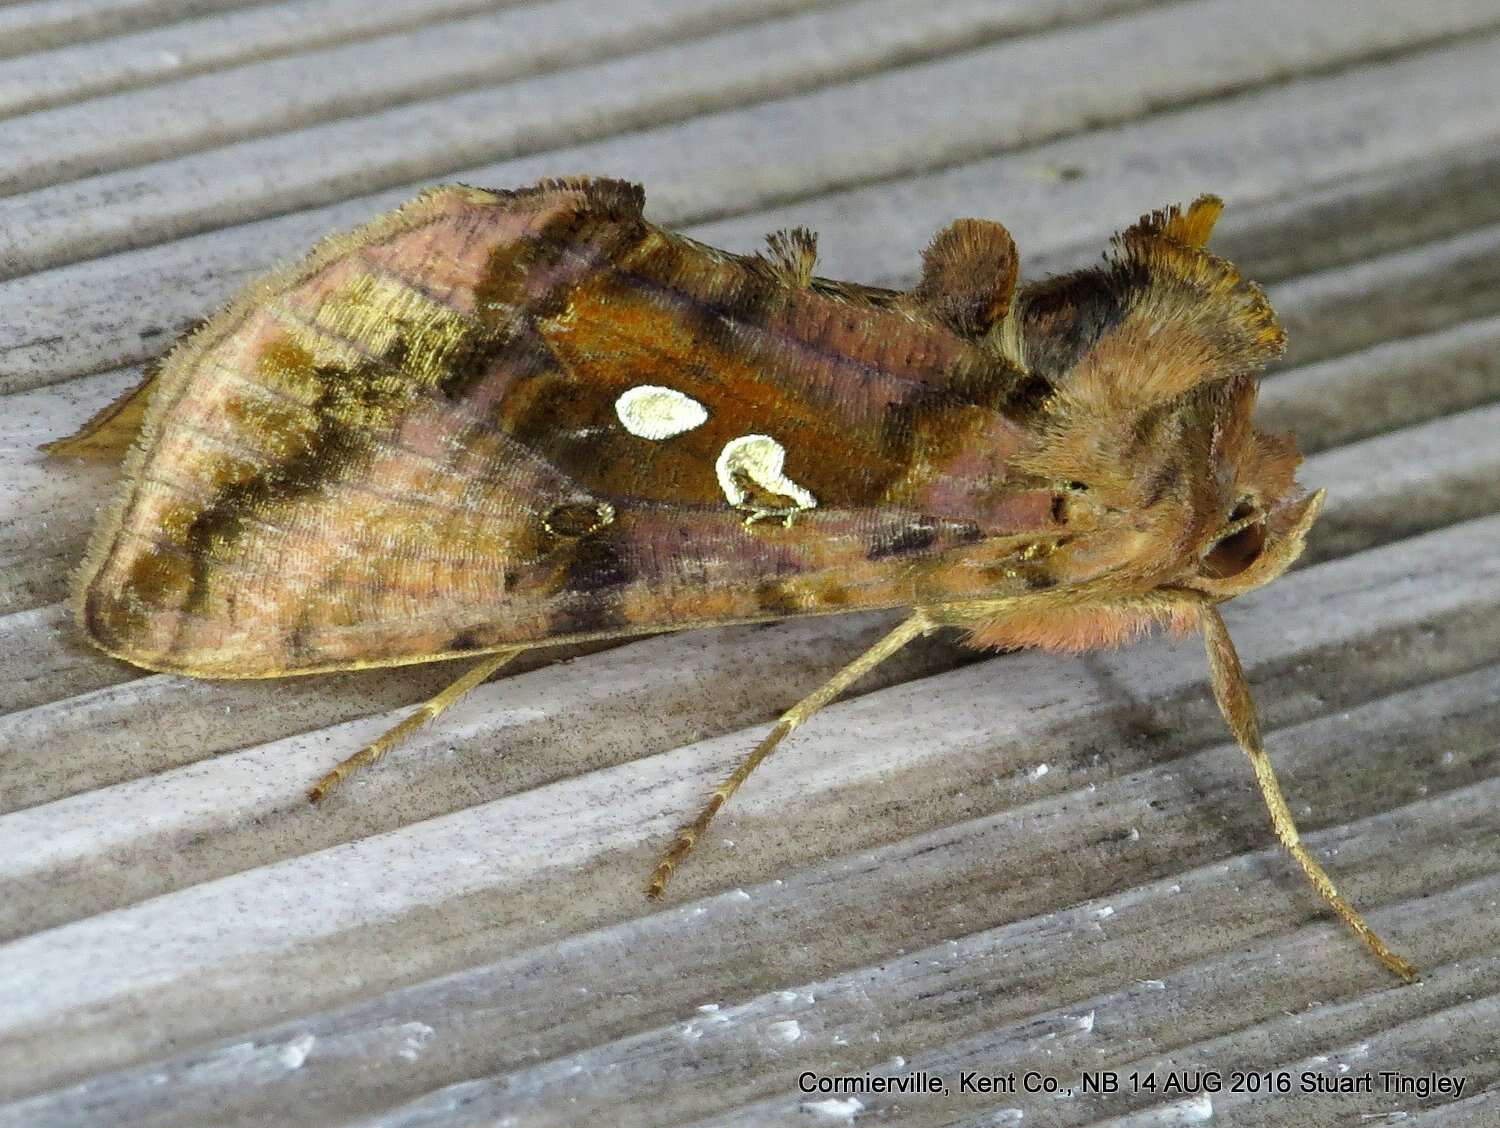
(495, 420)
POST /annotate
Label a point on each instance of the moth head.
(1258, 540)
(1153, 359)
(1243, 514)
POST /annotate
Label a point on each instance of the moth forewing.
(496, 420)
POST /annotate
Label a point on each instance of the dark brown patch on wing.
(353, 404)
(597, 565)
(1062, 318)
(912, 539)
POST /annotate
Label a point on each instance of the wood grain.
(1019, 863)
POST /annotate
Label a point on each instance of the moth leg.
(688, 836)
(427, 711)
(1233, 696)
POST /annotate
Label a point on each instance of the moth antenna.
(1232, 693)
(792, 255)
(689, 835)
(429, 710)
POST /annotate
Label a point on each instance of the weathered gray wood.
(284, 93)
(504, 858)
(1353, 218)
(572, 707)
(281, 94)
(440, 136)
(1378, 300)
(41, 24)
(45, 516)
(1408, 481)
(1068, 193)
(49, 78)
(1472, 1112)
(71, 320)
(825, 1026)
(52, 662)
(1029, 862)
(979, 979)
(1409, 380)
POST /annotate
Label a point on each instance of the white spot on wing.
(651, 411)
(761, 459)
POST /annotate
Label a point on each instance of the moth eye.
(1240, 549)
(1063, 501)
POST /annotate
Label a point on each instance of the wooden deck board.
(1025, 862)
(1429, 107)
(42, 79)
